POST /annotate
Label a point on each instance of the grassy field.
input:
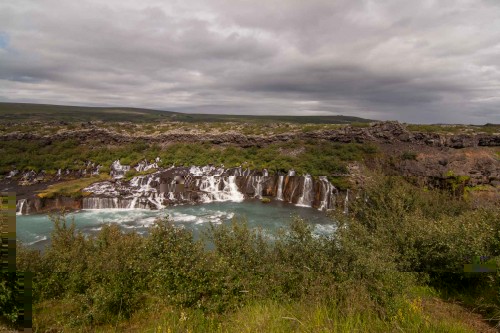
(19, 112)
(71, 188)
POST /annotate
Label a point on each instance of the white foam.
(38, 239)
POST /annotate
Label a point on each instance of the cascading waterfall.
(306, 198)
(156, 200)
(20, 206)
(133, 203)
(118, 170)
(211, 185)
(293, 191)
(327, 194)
(105, 203)
(346, 202)
(279, 192)
(232, 189)
(257, 185)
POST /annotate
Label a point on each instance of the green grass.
(71, 188)
(133, 173)
(20, 112)
(318, 159)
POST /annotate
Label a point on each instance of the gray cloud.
(427, 61)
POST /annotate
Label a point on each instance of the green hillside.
(21, 112)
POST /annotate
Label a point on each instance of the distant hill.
(20, 112)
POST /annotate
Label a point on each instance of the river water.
(35, 230)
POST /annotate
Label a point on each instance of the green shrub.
(409, 155)
(394, 237)
(11, 301)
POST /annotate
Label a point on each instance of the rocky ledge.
(379, 132)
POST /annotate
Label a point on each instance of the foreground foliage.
(363, 277)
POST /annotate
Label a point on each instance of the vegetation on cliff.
(324, 158)
(397, 249)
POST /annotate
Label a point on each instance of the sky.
(412, 61)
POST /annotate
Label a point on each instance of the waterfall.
(12, 174)
(118, 170)
(306, 198)
(133, 203)
(346, 202)
(293, 191)
(257, 185)
(145, 166)
(95, 172)
(20, 206)
(105, 203)
(327, 194)
(206, 184)
(211, 185)
(279, 192)
(156, 200)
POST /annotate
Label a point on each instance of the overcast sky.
(414, 61)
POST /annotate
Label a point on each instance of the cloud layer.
(423, 61)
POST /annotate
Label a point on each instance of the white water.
(279, 192)
(306, 198)
(207, 170)
(133, 203)
(19, 206)
(346, 202)
(12, 173)
(105, 203)
(145, 165)
(257, 185)
(327, 192)
(142, 192)
(211, 186)
(118, 170)
(35, 229)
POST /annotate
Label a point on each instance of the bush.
(423, 231)
(394, 237)
(409, 155)
(10, 297)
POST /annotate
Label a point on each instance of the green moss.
(409, 155)
(478, 188)
(340, 182)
